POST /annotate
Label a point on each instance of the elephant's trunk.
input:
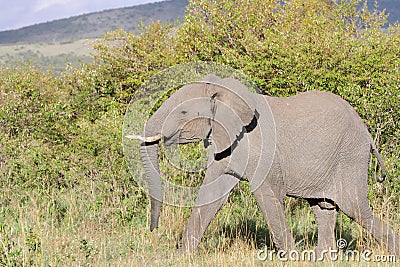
(149, 153)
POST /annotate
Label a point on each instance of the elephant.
(312, 146)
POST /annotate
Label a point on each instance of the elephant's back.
(318, 108)
(306, 104)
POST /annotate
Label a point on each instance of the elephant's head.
(220, 108)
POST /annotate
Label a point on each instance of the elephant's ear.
(232, 108)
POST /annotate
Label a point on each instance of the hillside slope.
(94, 25)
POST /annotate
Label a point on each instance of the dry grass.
(70, 229)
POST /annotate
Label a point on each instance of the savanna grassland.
(66, 196)
(67, 42)
(54, 56)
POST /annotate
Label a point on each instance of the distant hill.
(94, 25)
(57, 43)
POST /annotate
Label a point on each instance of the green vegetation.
(67, 198)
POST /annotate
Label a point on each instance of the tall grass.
(73, 229)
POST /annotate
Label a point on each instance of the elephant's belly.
(316, 185)
(311, 175)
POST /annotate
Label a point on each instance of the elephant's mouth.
(173, 138)
(181, 137)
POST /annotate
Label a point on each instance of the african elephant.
(313, 146)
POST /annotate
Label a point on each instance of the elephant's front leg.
(272, 207)
(325, 215)
(212, 196)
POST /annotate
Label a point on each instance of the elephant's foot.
(188, 244)
(181, 251)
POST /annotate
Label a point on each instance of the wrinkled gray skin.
(321, 154)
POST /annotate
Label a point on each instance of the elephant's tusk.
(144, 139)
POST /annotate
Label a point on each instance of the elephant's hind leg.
(353, 201)
(358, 209)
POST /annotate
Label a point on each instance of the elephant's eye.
(183, 112)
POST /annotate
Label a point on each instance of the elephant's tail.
(374, 151)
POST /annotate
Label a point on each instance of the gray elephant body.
(318, 137)
(312, 146)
